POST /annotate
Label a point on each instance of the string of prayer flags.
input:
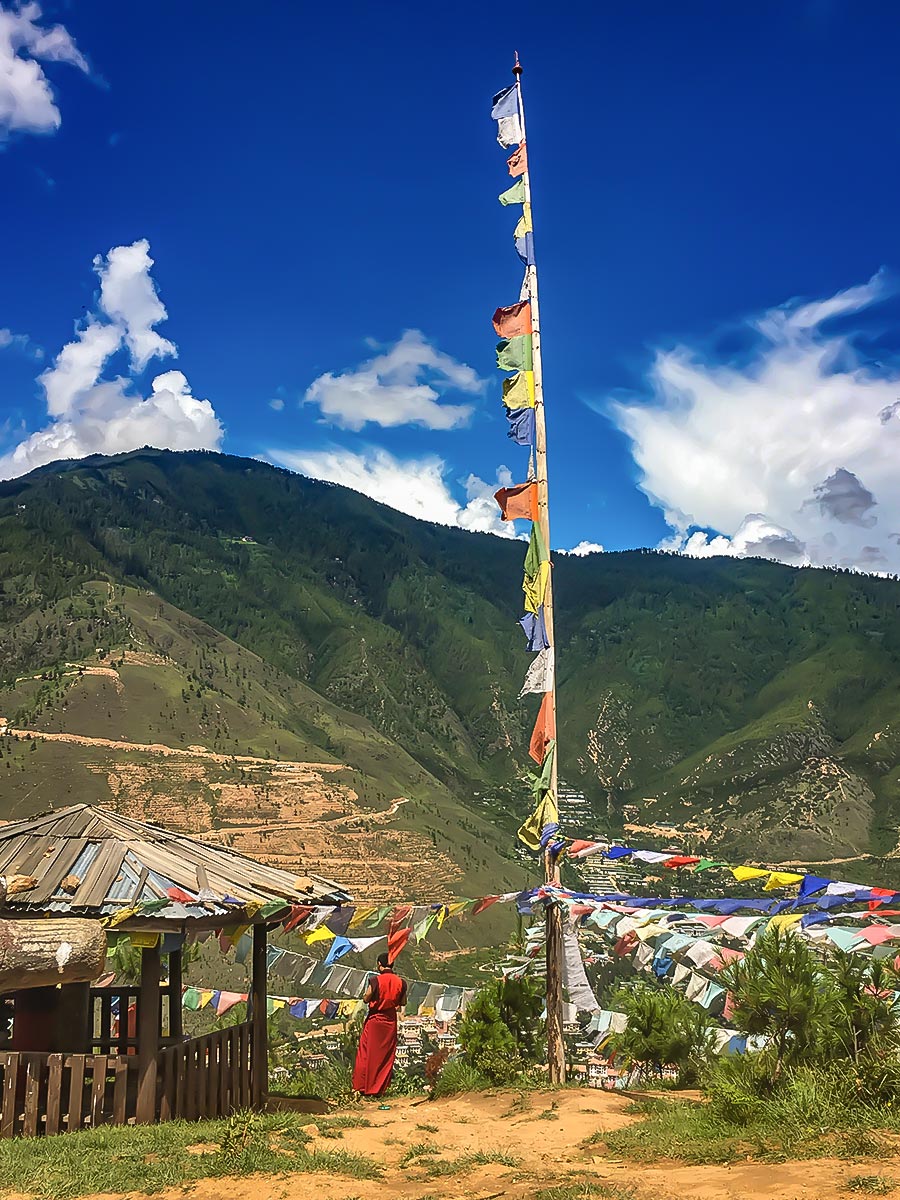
(539, 677)
(514, 320)
(515, 354)
(518, 161)
(515, 194)
(521, 426)
(518, 390)
(505, 111)
(518, 502)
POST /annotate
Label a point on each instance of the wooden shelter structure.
(78, 1055)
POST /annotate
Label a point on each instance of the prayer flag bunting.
(515, 194)
(518, 390)
(544, 732)
(514, 320)
(540, 674)
(521, 426)
(518, 501)
(518, 161)
(514, 354)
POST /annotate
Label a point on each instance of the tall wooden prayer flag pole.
(556, 1055)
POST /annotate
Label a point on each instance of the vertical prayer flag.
(519, 501)
(514, 320)
(515, 354)
(535, 630)
(513, 195)
(524, 225)
(518, 161)
(542, 824)
(509, 131)
(540, 675)
(525, 249)
(518, 390)
(521, 426)
(396, 941)
(505, 103)
(544, 731)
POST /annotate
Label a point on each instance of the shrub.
(663, 1029)
(500, 1034)
(459, 1076)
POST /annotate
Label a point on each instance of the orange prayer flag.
(544, 729)
(518, 161)
(513, 321)
(396, 941)
(520, 500)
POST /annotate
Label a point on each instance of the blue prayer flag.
(521, 425)
(338, 948)
(535, 630)
(505, 103)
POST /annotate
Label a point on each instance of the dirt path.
(548, 1135)
(201, 752)
(370, 818)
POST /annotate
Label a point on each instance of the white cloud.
(277, 404)
(402, 386)
(91, 415)
(583, 549)
(21, 342)
(417, 487)
(26, 98)
(790, 454)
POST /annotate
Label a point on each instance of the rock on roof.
(90, 861)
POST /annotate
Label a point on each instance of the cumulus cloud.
(404, 385)
(416, 486)
(92, 415)
(583, 549)
(26, 97)
(21, 342)
(789, 453)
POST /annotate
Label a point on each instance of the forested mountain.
(168, 601)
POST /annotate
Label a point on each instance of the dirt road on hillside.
(547, 1135)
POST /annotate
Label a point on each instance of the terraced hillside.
(179, 615)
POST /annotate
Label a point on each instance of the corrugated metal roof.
(117, 862)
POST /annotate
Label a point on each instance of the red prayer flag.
(177, 893)
(579, 844)
(520, 500)
(398, 916)
(298, 913)
(514, 320)
(544, 729)
(681, 860)
(483, 903)
(396, 941)
(518, 161)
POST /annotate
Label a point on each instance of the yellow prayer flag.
(322, 934)
(742, 874)
(252, 907)
(122, 915)
(206, 994)
(141, 940)
(524, 226)
(785, 920)
(518, 390)
(780, 879)
(362, 915)
(457, 906)
(546, 813)
(534, 587)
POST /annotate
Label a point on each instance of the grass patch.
(148, 1158)
(428, 1128)
(586, 1189)
(418, 1150)
(871, 1185)
(468, 1162)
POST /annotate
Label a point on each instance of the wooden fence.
(56, 1093)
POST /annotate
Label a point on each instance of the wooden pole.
(259, 1044)
(176, 1028)
(148, 1033)
(556, 1054)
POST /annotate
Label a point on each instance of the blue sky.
(310, 182)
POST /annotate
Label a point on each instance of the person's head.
(383, 963)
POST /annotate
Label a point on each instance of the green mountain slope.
(742, 702)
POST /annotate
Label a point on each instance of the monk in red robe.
(374, 1065)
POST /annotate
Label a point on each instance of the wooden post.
(556, 1052)
(148, 1035)
(175, 1023)
(259, 1042)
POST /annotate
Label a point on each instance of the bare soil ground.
(548, 1134)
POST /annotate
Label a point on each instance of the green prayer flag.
(515, 194)
(191, 998)
(514, 354)
(540, 781)
(537, 551)
(271, 908)
(705, 863)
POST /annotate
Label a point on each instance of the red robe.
(378, 1042)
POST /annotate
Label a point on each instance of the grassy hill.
(222, 604)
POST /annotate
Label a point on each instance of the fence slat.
(98, 1088)
(213, 1100)
(180, 1081)
(34, 1069)
(75, 1063)
(246, 1067)
(120, 1091)
(202, 1077)
(54, 1093)
(167, 1092)
(10, 1085)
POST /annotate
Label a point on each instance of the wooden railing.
(56, 1093)
(53, 1093)
(207, 1076)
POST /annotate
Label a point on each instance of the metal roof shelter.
(90, 861)
(87, 861)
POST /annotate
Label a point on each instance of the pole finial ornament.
(517, 68)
